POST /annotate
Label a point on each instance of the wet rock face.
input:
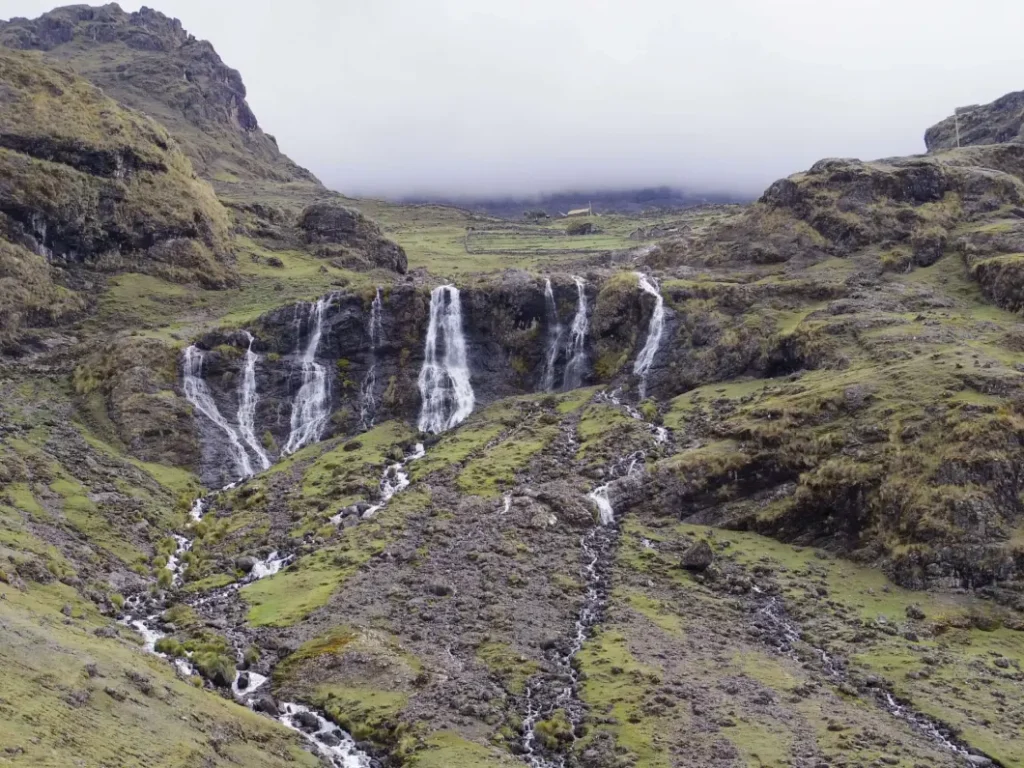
(344, 234)
(506, 331)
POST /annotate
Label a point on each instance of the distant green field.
(451, 241)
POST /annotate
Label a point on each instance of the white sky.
(476, 96)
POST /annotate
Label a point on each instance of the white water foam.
(444, 380)
(606, 514)
(576, 352)
(247, 400)
(394, 480)
(310, 409)
(197, 393)
(274, 563)
(645, 359)
(555, 333)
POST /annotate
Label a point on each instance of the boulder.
(267, 705)
(698, 557)
(914, 612)
(245, 563)
(308, 721)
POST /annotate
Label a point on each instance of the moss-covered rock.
(337, 232)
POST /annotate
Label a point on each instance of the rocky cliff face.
(507, 336)
(87, 184)
(148, 61)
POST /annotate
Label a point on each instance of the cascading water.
(310, 409)
(555, 332)
(335, 746)
(645, 359)
(576, 353)
(247, 400)
(444, 383)
(367, 394)
(787, 635)
(597, 546)
(197, 393)
(394, 480)
(603, 503)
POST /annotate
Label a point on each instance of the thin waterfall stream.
(576, 352)
(198, 393)
(554, 341)
(311, 406)
(248, 398)
(644, 360)
(367, 390)
(559, 689)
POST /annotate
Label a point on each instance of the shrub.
(165, 580)
(170, 646)
(218, 668)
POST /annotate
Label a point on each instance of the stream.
(788, 632)
(559, 689)
(142, 614)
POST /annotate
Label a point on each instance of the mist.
(468, 97)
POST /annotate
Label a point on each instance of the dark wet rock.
(330, 739)
(267, 705)
(245, 563)
(307, 721)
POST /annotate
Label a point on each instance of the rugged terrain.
(746, 495)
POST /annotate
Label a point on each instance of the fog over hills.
(455, 97)
(599, 200)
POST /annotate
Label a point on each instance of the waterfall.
(197, 393)
(367, 396)
(444, 384)
(576, 354)
(555, 332)
(645, 359)
(310, 409)
(603, 502)
(376, 324)
(247, 399)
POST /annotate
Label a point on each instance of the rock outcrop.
(336, 232)
(999, 122)
(170, 75)
(87, 184)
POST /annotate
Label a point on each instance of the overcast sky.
(389, 97)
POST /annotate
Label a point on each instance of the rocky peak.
(999, 122)
(148, 61)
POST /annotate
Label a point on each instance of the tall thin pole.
(956, 120)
